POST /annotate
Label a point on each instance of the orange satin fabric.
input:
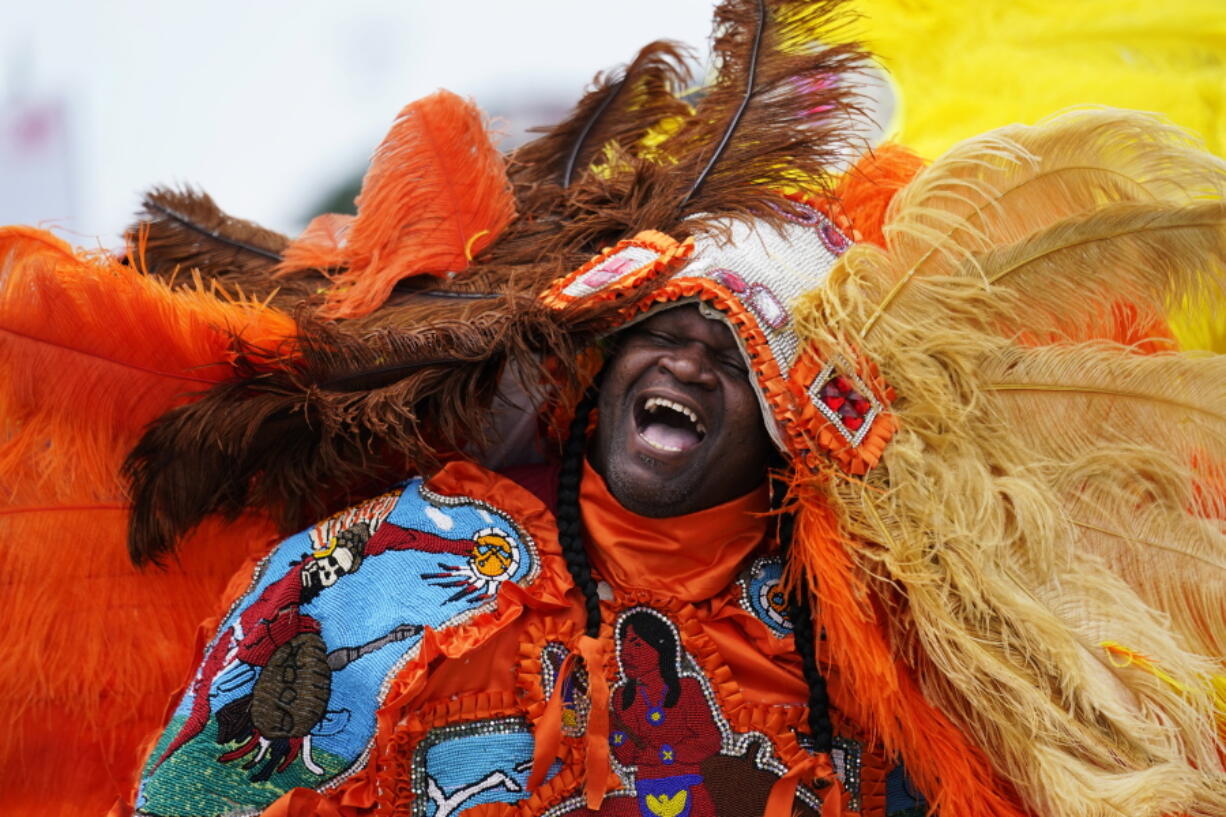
(685, 566)
(689, 558)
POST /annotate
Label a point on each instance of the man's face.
(680, 429)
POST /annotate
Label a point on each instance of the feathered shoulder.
(1042, 544)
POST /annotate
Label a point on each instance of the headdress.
(1005, 474)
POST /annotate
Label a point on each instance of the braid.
(570, 535)
(570, 526)
(819, 702)
(820, 727)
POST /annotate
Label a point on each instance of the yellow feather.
(1090, 395)
(1050, 487)
(962, 67)
(1013, 184)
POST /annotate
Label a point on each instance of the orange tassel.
(783, 792)
(436, 194)
(597, 762)
(547, 731)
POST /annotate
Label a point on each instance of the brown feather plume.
(610, 121)
(783, 124)
(362, 408)
(181, 231)
(779, 108)
(618, 111)
(392, 392)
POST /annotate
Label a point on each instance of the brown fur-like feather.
(180, 231)
(363, 408)
(786, 133)
(392, 392)
(620, 109)
(795, 123)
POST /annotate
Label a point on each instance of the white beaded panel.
(767, 269)
(774, 268)
(609, 271)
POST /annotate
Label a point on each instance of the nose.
(691, 363)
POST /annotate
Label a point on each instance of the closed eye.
(735, 364)
(661, 338)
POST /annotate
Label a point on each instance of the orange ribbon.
(597, 761)
(783, 792)
(548, 729)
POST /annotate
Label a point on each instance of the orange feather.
(321, 245)
(864, 193)
(90, 351)
(873, 687)
(435, 195)
(96, 647)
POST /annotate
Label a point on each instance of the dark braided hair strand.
(570, 525)
(570, 536)
(820, 728)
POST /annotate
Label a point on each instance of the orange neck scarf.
(690, 557)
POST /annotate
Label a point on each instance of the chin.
(642, 490)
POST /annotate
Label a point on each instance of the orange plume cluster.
(863, 195)
(90, 351)
(435, 195)
(873, 687)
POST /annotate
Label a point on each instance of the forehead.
(689, 322)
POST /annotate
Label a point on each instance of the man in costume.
(985, 576)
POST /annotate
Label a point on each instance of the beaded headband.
(747, 274)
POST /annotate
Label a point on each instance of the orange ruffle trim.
(808, 433)
(384, 779)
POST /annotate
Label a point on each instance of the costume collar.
(690, 557)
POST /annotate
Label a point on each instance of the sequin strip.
(549, 677)
(845, 755)
(800, 213)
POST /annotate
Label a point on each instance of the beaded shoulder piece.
(289, 689)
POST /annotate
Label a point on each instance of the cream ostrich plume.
(1043, 540)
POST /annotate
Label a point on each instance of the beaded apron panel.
(463, 765)
(673, 747)
(287, 691)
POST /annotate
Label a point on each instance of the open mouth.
(667, 425)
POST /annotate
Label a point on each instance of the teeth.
(654, 403)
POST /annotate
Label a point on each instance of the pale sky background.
(268, 105)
